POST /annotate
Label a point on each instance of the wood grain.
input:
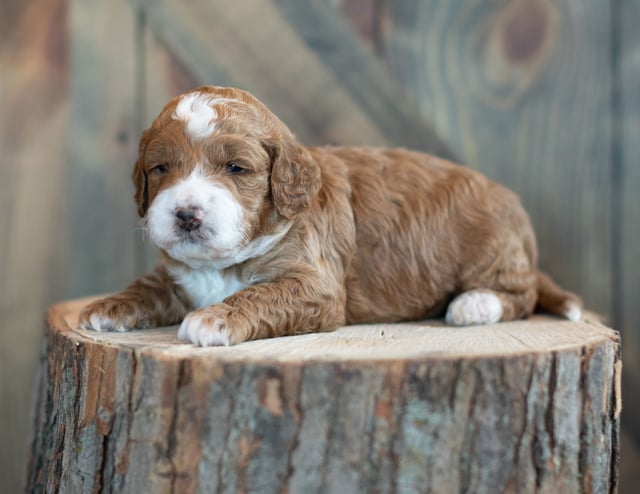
(521, 91)
(362, 75)
(34, 117)
(103, 146)
(528, 406)
(316, 110)
(303, 77)
(628, 183)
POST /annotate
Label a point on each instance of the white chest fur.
(207, 286)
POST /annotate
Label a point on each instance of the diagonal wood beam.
(301, 59)
(360, 72)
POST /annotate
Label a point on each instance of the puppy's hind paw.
(573, 312)
(474, 307)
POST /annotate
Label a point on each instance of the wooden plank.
(164, 77)
(521, 91)
(295, 92)
(11, 13)
(356, 69)
(629, 460)
(629, 183)
(33, 135)
(318, 100)
(103, 148)
(363, 16)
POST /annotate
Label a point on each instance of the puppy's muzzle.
(189, 218)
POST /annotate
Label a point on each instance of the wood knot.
(518, 43)
(526, 27)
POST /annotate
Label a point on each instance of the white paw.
(96, 322)
(573, 312)
(474, 307)
(200, 330)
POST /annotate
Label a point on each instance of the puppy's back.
(425, 228)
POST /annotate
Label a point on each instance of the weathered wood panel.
(628, 179)
(164, 76)
(367, 81)
(520, 90)
(33, 155)
(213, 54)
(103, 145)
(319, 78)
(363, 17)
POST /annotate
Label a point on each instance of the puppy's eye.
(234, 168)
(160, 169)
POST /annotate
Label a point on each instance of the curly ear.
(139, 177)
(142, 189)
(295, 178)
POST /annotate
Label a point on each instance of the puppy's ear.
(139, 177)
(295, 177)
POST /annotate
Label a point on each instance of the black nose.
(188, 218)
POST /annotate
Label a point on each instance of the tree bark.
(526, 406)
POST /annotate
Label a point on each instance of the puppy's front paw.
(208, 327)
(474, 307)
(112, 314)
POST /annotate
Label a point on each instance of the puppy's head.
(219, 178)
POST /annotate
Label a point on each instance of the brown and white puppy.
(260, 236)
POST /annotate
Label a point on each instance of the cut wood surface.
(526, 406)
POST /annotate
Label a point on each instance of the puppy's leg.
(152, 300)
(475, 307)
(483, 306)
(286, 307)
(499, 288)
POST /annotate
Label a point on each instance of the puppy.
(260, 236)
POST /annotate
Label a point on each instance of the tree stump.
(527, 406)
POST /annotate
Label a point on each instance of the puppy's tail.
(553, 299)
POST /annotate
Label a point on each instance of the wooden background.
(541, 95)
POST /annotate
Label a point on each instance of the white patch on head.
(195, 330)
(573, 312)
(474, 307)
(206, 286)
(222, 230)
(197, 110)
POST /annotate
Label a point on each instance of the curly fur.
(320, 237)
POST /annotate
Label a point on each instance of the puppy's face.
(219, 178)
